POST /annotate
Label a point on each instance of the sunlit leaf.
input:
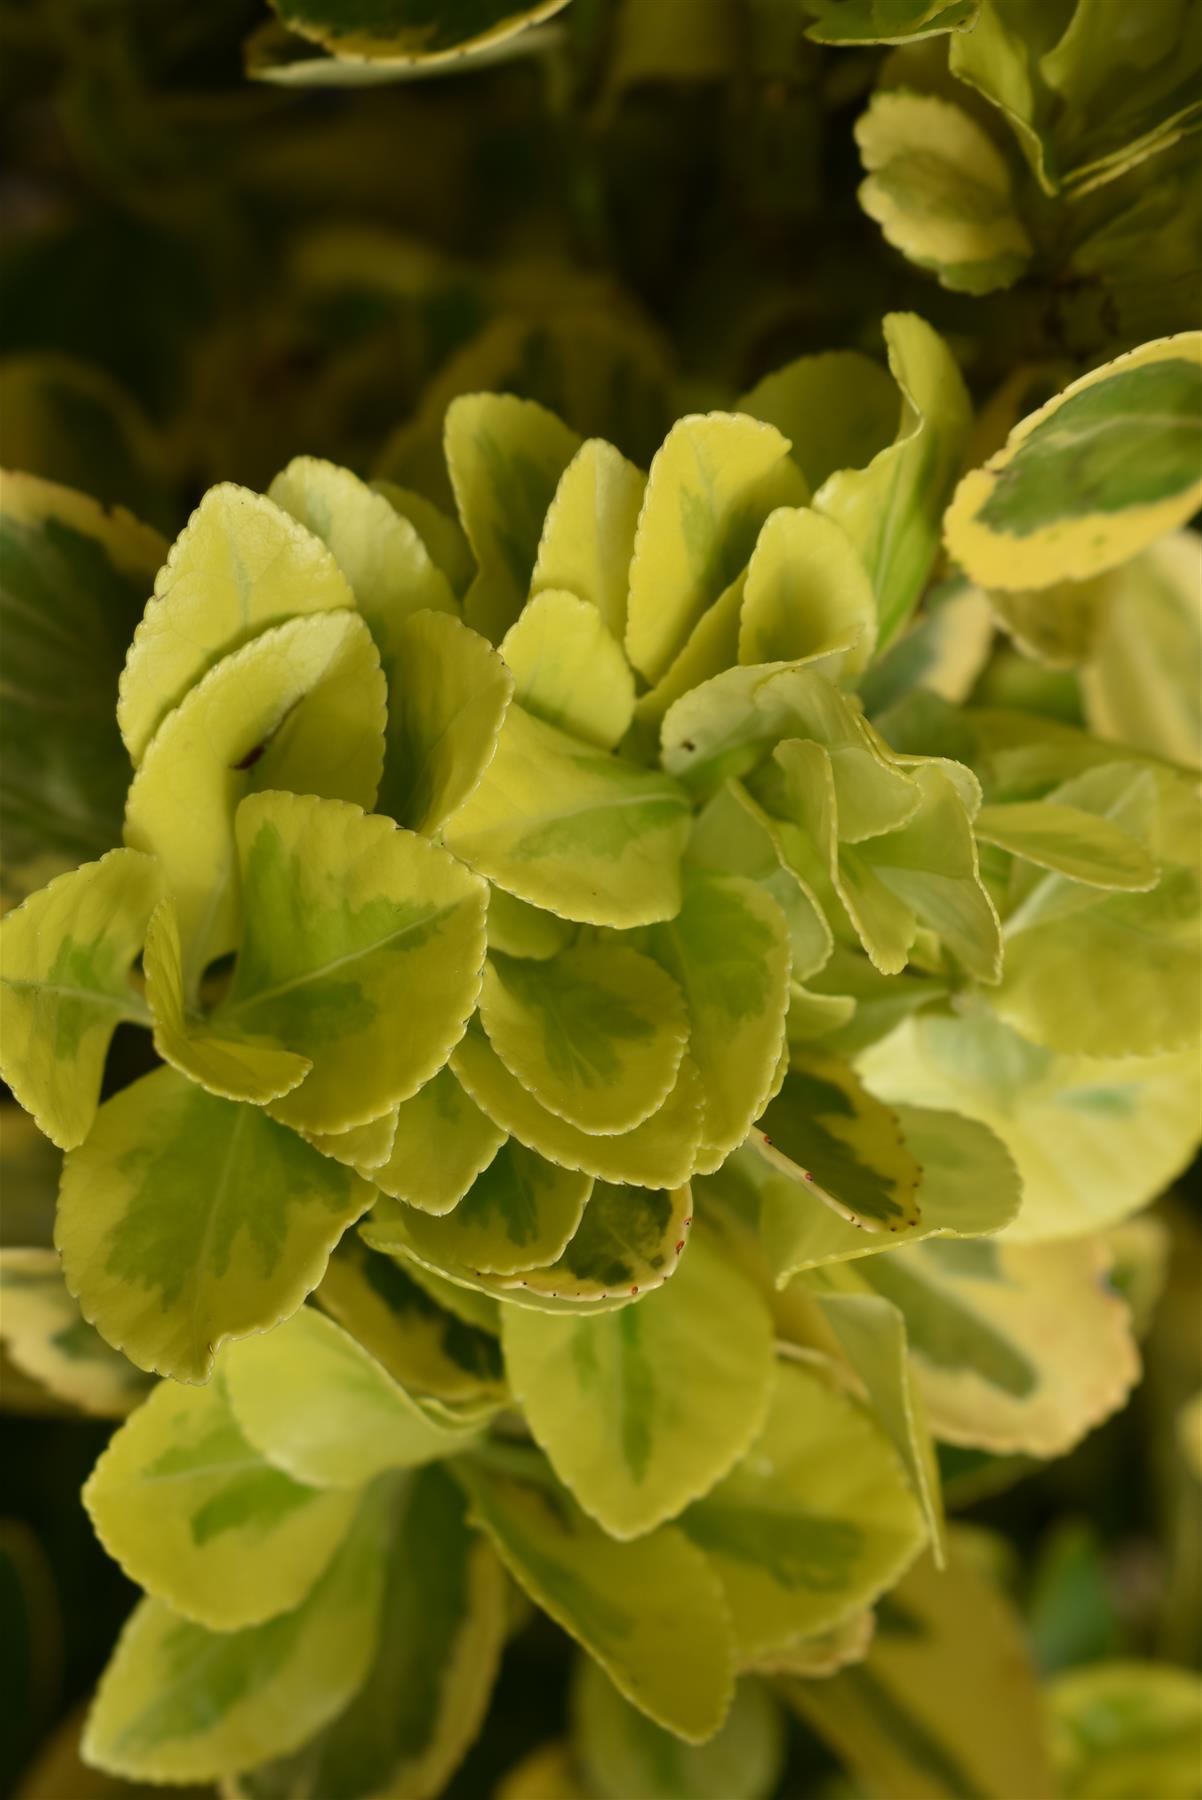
(941, 192)
(728, 949)
(871, 1333)
(628, 1241)
(505, 458)
(201, 1521)
(565, 827)
(827, 1133)
(1142, 685)
(588, 533)
(1091, 478)
(239, 565)
(623, 1753)
(594, 1034)
(237, 1068)
(442, 1626)
(704, 505)
(186, 1219)
(448, 693)
(45, 1337)
(891, 510)
(807, 594)
(649, 1611)
(180, 1703)
(946, 1703)
(442, 1142)
(658, 1153)
(643, 1409)
(1092, 1141)
(569, 669)
(815, 1522)
(73, 580)
(432, 1353)
(350, 922)
(1016, 1347)
(520, 1213)
(301, 708)
(318, 1406)
(65, 960)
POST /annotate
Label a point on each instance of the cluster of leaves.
(692, 1064)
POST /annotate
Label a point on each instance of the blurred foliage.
(640, 210)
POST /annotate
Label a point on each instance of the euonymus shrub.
(687, 1062)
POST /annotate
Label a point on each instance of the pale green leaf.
(364, 1147)
(240, 564)
(518, 929)
(73, 580)
(350, 923)
(728, 948)
(432, 1353)
(1121, 103)
(826, 1132)
(65, 961)
(969, 1186)
(380, 552)
(194, 1514)
(623, 1754)
(1015, 1347)
(891, 510)
(237, 1068)
(442, 1142)
(807, 594)
(594, 1034)
(658, 1153)
(1091, 478)
(441, 534)
(1084, 846)
(588, 533)
(946, 1704)
(711, 647)
(46, 1339)
(442, 1629)
(629, 1240)
(1092, 1141)
(448, 693)
(318, 1406)
(1113, 974)
(411, 31)
(186, 1219)
(179, 1703)
(871, 1332)
(505, 458)
(1143, 683)
(825, 1652)
(733, 837)
(887, 21)
(704, 504)
(650, 1611)
(585, 835)
(520, 1213)
(838, 409)
(815, 1522)
(1126, 1728)
(547, 1773)
(568, 668)
(300, 707)
(642, 1410)
(941, 191)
